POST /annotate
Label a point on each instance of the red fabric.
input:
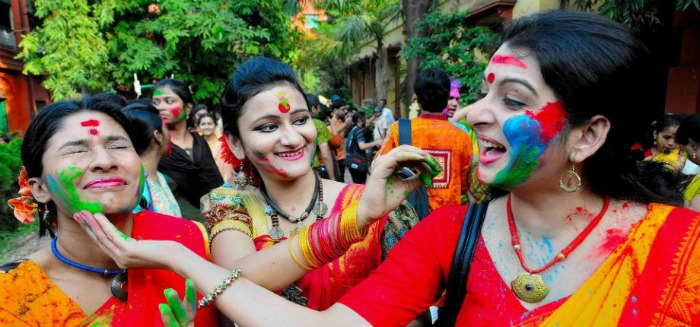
(326, 285)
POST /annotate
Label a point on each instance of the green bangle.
(211, 296)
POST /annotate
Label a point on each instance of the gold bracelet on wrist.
(211, 296)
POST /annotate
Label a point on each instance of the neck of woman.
(150, 159)
(210, 138)
(291, 196)
(74, 244)
(179, 133)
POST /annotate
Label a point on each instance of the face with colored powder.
(279, 144)
(98, 172)
(517, 119)
(172, 109)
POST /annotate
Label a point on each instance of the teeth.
(284, 155)
(487, 144)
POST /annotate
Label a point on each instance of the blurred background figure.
(688, 137)
(664, 148)
(453, 99)
(207, 129)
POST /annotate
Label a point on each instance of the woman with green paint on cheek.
(79, 159)
(190, 162)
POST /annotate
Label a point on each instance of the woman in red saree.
(584, 234)
(78, 155)
(270, 138)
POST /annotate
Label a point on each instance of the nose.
(479, 114)
(102, 160)
(291, 137)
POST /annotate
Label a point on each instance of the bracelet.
(294, 256)
(211, 296)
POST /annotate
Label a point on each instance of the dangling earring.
(573, 180)
(240, 179)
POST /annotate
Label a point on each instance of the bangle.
(294, 256)
(211, 296)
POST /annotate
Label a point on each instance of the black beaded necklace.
(272, 210)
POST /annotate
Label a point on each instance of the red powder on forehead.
(490, 78)
(552, 118)
(90, 123)
(508, 60)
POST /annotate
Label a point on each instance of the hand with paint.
(386, 189)
(179, 313)
(124, 250)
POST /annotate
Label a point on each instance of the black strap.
(405, 132)
(461, 262)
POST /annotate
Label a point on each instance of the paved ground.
(23, 246)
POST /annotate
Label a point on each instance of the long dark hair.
(689, 129)
(45, 125)
(252, 77)
(597, 67)
(146, 119)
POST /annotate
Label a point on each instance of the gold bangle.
(348, 225)
(211, 296)
(294, 256)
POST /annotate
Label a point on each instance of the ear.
(189, 107)
(586, 140)
(158, 137)
(236, 146)
(40, 191)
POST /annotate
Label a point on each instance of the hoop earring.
(573, 180)
(240, 179)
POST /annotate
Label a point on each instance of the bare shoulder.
(332, 189)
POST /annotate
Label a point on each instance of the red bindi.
(490, 78)
(508, 60)
(92, 125)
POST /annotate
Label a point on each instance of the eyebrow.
(519, 81)
(295, 111)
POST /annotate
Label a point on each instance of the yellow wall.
(526, 7)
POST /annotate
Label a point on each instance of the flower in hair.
(24, 205)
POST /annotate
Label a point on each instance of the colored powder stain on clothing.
(63, 185)
(283, 106)
(529, 135)
(92, 125)
(508, 60)
(490, 78)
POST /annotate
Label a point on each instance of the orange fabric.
(452, 148)
(327, 284)
(340, 151)
(29, 297)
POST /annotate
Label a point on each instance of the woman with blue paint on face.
(582, 235)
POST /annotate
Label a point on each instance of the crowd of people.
(547, 205)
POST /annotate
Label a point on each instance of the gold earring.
(240, 178)
(573, 180)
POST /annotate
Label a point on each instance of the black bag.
(461, 262)
(419, 197)
(355, 158)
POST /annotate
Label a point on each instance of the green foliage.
(200, 42)
(454, 47)
(10, 165)
(636, 14)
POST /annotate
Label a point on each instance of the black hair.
(312, 100)
(689, 129)
(432, 88)
(597, 67)
(181, 89)
(356, 117)
(146, 119)
(192, 119)
(323, 112)
(112, 97)
(338, 104)
(252, 77)
(45, 125)
(667, 121)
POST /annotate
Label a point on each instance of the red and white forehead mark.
(91, 125)
(508, 60)
(283, 106)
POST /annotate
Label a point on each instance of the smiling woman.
(79, 158)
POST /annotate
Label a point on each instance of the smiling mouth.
(490, 151)
(291, 155)
(105, 183)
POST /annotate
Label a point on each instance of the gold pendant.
(529, 287)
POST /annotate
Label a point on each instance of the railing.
(7, 38)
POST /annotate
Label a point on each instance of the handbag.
(354, 158)
(419, 197)
(461, 262)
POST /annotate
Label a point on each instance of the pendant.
(117, 287)
(276, 234)
(529, 287)
(269, 211)
(294, 294)
(320, 209)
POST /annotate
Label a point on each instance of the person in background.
(207, 128)
(79, 159)
(688, 136)
(453, 100)
(381, 126)
(414, 108)
(324, 162)
(664, 148)
(197, 112)
(432, 132)
(340, 122)
(190, 164)
(355, 144)
(386, 112)
(152, 143)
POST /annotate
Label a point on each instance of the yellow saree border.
(601, 299)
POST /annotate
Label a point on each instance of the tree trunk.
(383, 74)
(413, 11)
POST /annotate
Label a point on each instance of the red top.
(412, 278)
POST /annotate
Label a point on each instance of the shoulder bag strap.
(461, 262)
(404, 131)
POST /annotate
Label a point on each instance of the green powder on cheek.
(67, 193)
(520, 171)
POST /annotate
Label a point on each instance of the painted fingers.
(177, 312)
